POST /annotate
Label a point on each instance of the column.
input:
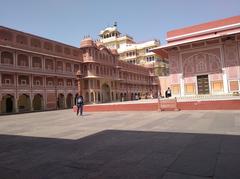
(16, 81)
(14, 59)
(43, 63)
(65, 100)
(31, 101)
(72, 68)
(45, 99)
(30, 61)
(225, 81)
(16, 103)
(182, 86)
(44, 93)
(94, 97)
(0, 78)
(0, 103)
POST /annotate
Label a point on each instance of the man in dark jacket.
(80, 103)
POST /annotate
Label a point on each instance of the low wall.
(191, 105)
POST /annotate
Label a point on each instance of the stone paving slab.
(171, 145)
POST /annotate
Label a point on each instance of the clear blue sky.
(68, 21)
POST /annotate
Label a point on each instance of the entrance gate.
(203, 84)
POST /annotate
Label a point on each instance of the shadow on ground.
(121, 154)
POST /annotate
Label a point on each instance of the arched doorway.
(37, 102)
(61, 101)
(7, 104)
(105, 93)
(92, 97)
(24, 103)
(99, 97)
(69, 100)
(87, 97)
(132, 96)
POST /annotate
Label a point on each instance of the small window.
(37, 83)
(50, 83)
(60, 83)
(23, 82)
(69, 83)
(7, 81)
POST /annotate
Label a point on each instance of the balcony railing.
(8, 86)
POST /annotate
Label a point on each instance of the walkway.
(168, 145)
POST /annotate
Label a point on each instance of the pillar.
(94, 97)
(182, 86)
(225, 81)
(31, 101)
(14, 59)
(16, 103)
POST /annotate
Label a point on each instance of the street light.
(79, 75)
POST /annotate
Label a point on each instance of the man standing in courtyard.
(80, 103)
(168, 93)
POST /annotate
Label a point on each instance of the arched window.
(36, 62)
(59, 66)
(49, 64)
(97, 70)
(23, 60)
(68, 67)
(7, 58)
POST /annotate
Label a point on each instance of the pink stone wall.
(174, 62)
(231, 59)
(175, 78)
(216, 77)
(190, 80)
(200, 62)
(230, 54)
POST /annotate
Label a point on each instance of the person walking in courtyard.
(80, 103)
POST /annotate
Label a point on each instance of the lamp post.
(79, 75)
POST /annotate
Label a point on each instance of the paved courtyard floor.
(163, 145)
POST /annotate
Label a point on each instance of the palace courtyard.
(163, 145)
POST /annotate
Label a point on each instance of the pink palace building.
(204, 59)
(40, 74)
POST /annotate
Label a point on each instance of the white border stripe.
(204, 31)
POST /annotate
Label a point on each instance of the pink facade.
(40, 74)
(204, 59)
